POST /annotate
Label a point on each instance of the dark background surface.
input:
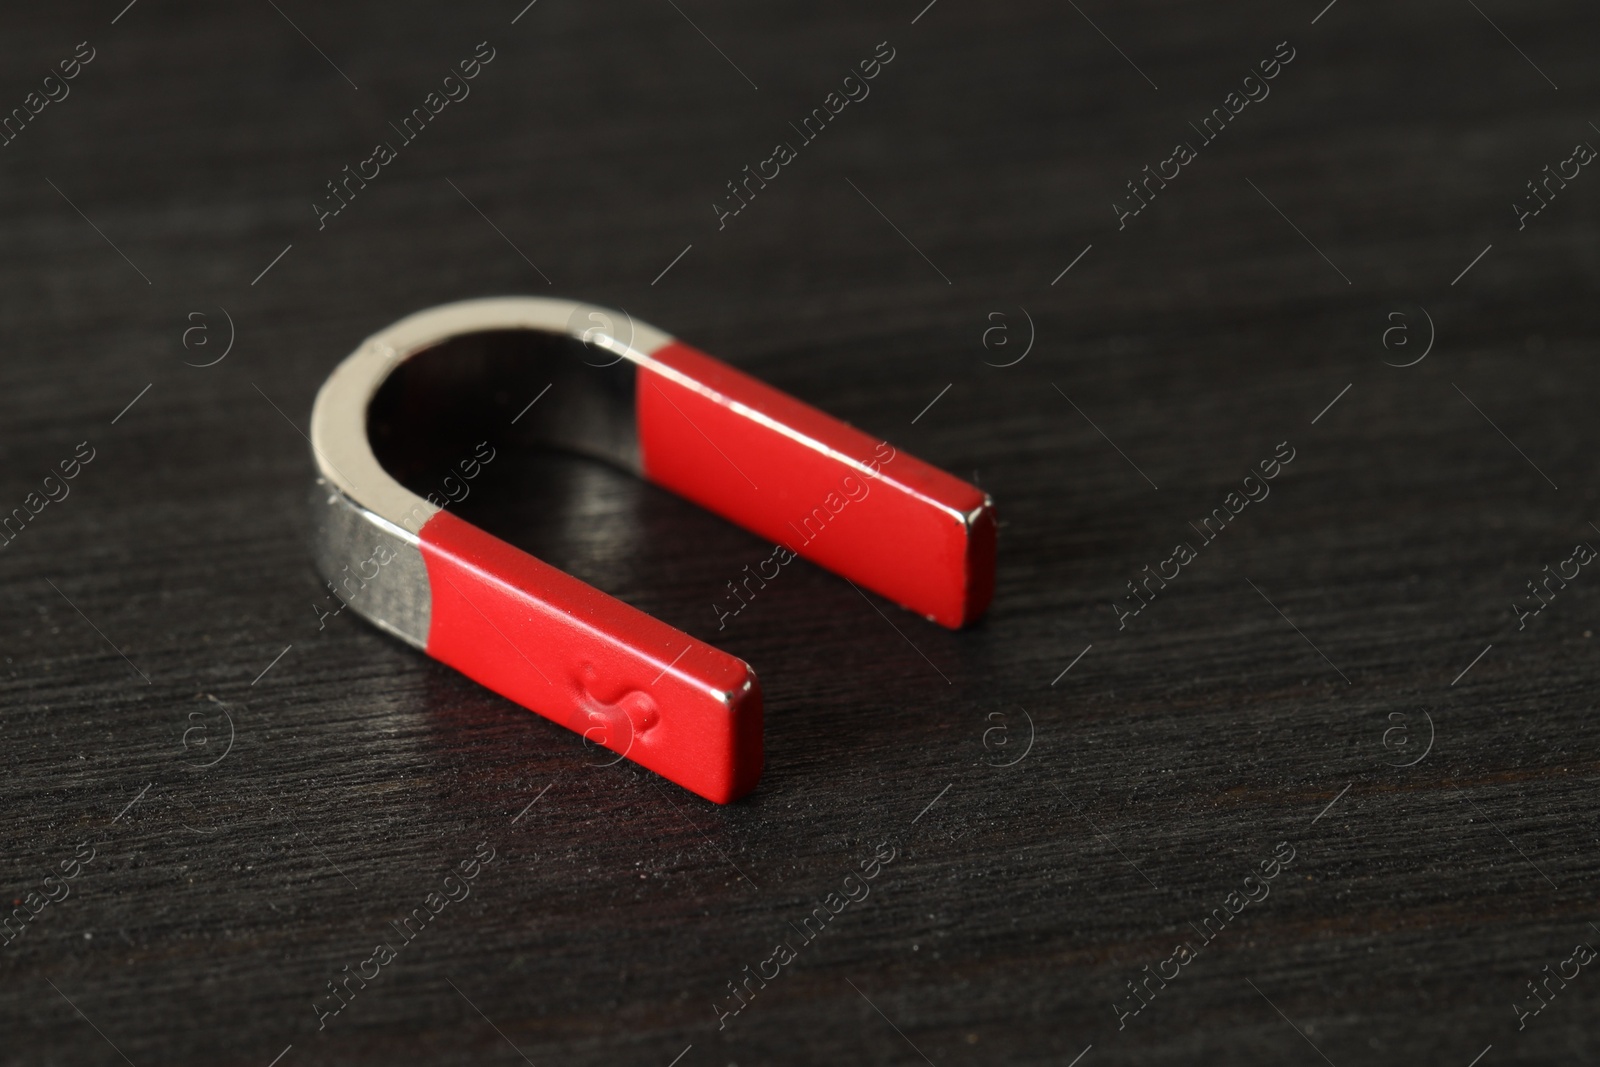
(1163, 767)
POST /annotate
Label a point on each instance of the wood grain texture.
(1254, 701)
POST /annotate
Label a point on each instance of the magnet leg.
(781, 468)
(562, 648)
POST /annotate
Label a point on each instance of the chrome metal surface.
(370, 565)
(587, 355)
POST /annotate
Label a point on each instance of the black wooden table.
(1238, 769)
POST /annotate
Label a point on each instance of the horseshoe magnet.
(637, 398)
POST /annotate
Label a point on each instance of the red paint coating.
(588, 661)
(825, 490)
